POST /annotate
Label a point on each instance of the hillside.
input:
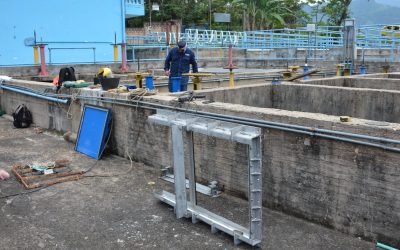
(375, 11)
(389, 2)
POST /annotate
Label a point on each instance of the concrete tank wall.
(371, 82)
(345, 186)
(371, 104)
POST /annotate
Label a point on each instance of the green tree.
(268, 14)
(338, 11)
(245, 14)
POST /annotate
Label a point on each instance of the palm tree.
(263, 14)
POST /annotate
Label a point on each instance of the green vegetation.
(245, 14)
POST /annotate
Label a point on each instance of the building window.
(133, 1)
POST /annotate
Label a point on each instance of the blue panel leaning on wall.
(76, 30)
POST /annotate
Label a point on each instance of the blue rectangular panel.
(94, 130)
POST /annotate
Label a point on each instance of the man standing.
(178, 62)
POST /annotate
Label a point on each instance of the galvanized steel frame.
(182, 123)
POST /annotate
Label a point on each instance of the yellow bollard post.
(294, 69)
(139, 80)
(346, 72)
(231, 79)
(386, 69)
(115, 53)
(287, 74)
(196, 83)
(338, 69)
(197, 79)
(36, 54)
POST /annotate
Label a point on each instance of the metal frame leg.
(179, 172)
(255, 189)
(192, 173)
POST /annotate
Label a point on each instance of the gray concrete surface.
(364, 103)
(345, 186)
(370, 82)
(119, 211)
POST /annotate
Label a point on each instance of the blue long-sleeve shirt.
(178, 63)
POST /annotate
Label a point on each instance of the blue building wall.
(76, 31)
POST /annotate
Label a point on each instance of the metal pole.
(49, 55)
(209, 8)
(150, 11)
(179, 172)
(43, 70)
(192, 173)
(124, 66)
(36, 54)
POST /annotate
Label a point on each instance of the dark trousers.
(183, 85)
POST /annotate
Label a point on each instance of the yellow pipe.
(36, 54)
(338, 66)
(231, 79)
(115, 53)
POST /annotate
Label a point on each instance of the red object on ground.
(4, 175)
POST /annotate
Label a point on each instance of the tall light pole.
(150, 9)
(209, 9)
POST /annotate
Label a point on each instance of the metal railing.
(323, 37)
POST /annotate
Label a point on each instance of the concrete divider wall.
(345, 186)
(371, 104)
(355, 82)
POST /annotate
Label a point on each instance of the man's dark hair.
(181, 44)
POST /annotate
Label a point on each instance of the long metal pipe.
(30, 93)
(258, 123)
(383, 246)
(323, 133)
(277, 125)
(254, 122)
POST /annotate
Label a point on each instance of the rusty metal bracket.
(31, 179)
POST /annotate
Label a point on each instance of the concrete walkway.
(117, 210)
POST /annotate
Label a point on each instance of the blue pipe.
(29, 93)
(383, 246)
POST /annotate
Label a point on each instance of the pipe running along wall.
(33, 93)
(322, 133)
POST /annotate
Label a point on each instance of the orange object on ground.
(55, 80)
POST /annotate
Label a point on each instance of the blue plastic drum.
(149, 82)
(176, 84)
